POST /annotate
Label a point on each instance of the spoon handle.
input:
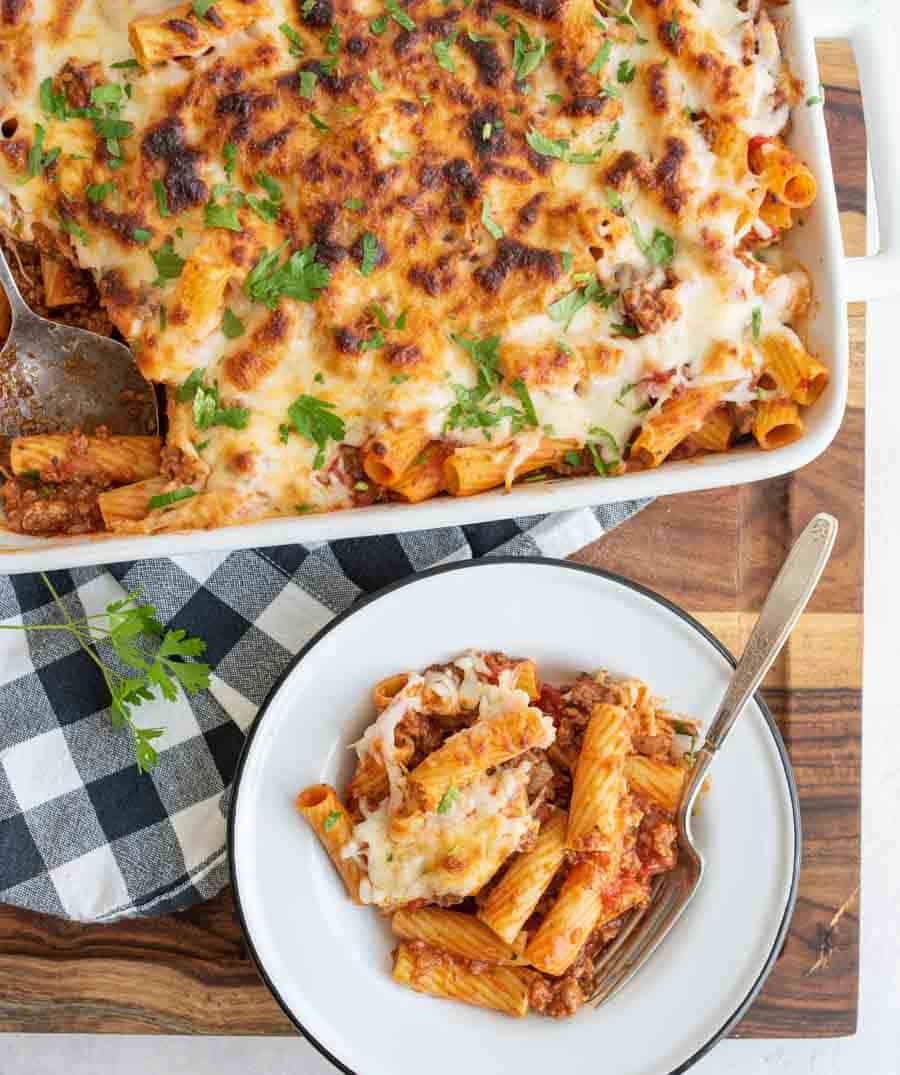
(19, 306)
(786, 600)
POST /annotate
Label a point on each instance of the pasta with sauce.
(506, 826)
(425, 252)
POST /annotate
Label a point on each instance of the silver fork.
(673, 891)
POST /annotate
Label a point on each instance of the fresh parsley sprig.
(299, 277)
(154, 656)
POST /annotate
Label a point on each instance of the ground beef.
(555, 997)
(656, 844)
(650, 303)
(36, 507)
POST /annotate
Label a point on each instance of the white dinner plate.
(327, 961)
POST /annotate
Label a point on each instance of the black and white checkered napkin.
(82, 834)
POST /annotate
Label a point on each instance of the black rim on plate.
(543, 562)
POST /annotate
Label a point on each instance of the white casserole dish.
(817, 245)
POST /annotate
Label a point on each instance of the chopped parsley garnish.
(558, 148)
(141, 235)
(485, 354)
(333, 41)
(162, 206)
(600, 60)
(314, 419)
(53, 103)
(756, 322)
(661, 248)
(521, 390)
(229, 155)
(476, 408)
(200, 7)
(165, 500)
(356, 204)
(379, 25)
(492, 227)
(564, 310)
(106, 101)
(565, 260)
(374, 342)
(626, 71)
(38, 160)
(96, 192)
(318, 123)
(333, 818)
(380, 316)
(816, 99)
(623, 392)
(400, 378)
(308, 80)
(71, 227)
(295, 42)
(623, 18)
(619, 329)
(573, 458)
(163, 319)
(207, 409)
(614, 201)
(448, 799)
(400, 323)
(441, 50)
(299, 277)
(369, 258)
(595, 447)
(125, 65)
(168, 263)
(392, 7)
(503, 20)
(672, 30)
(528, 53)
(232, 325)
(375, 79)
(266, 208)
(221, 216)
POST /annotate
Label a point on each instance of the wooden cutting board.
(713, 553)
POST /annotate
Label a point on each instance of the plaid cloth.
(82, 834)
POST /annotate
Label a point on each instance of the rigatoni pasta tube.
(476, 469)
(782, 172)
(385, 690)
(716, 433)
(117, 460)
(330, 821)
(388, 455)
(659, 781)
(62, 282)
(776, 423)
(455, 932)
(512, 900)
(796, 372)
(130, 503)
(473, 751)
(679, 416)
(428, 970)
(180, 31)
(570, 921)
(424, 478)
(599, 781)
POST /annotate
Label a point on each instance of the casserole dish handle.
(872, 29)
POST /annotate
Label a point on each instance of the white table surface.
(875, 1049)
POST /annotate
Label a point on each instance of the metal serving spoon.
(54, 377)
(674, 890)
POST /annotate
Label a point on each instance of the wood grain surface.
(190, 973)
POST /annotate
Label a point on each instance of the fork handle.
(787, 599)
(18, 305)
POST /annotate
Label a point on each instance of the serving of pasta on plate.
(389, 250)
(507, 827)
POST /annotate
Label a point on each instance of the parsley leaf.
(392, 7)
(356, 204)
(375, 79)
(661, 248)
(369, 258)
(485, 354)
(626, 71)
(38, 160)
(816, 99)
(308, 80)
(72, 227)
(232, 325)
(96, 192)
(527, 53)
(299, 277)
(200, 7)
(295, 42)
(124, 65)
(379, 25)
(564, 310)
(168, 263)
(53, 103)
(162, 206)
(165, 500)
(756, 322)
(441, 50)
(448, 799)
(208, 411)
(521, 390)
(547, 147)
(492, 227)
(599, 61)
(333, 818)
(221, 216)
(155, 659)
(318, 122)
(229, 155)
(314, 419)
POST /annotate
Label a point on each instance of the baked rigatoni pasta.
(417, 260)
(508, 827)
